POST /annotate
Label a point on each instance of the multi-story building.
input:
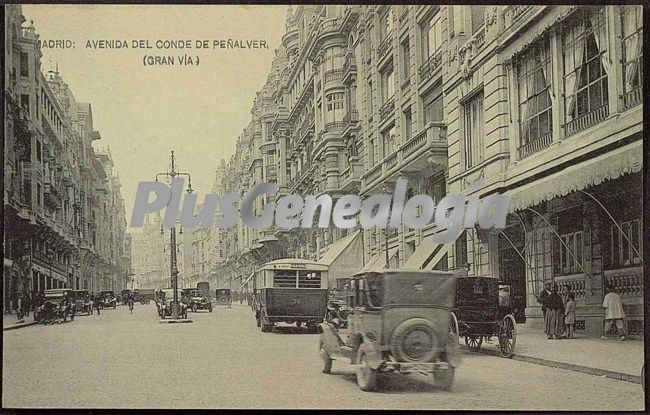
(542, 103)
(63, 209)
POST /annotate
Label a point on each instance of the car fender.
(452, 350)
(372, 350)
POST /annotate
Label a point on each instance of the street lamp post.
(171, 174)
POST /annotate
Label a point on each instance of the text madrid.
(452, 214)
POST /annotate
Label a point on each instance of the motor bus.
(292, 291)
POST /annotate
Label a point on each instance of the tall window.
(386, 23)
(373, 153)
(334, 103)
(387, 83)
(431, 35)
(371, 104)
(586, 63)
(569, 264)
(24, 64)
(388, 141)
(622, 252)
(632, 33)
(408, 124)
(406, 59)
(460, 250)
(474, 134)
(432, 102)
(24, 102)
(534, 85)
(478, 17)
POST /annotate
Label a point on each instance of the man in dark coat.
(541, 298)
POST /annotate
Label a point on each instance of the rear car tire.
(327, 360)
(366, 376)
(414, 340)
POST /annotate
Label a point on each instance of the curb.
(19, 326)
(568, 366)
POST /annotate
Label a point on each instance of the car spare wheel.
(414, 340)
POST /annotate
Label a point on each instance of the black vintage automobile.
(54, 309)
(164, 299)
(197, 301)
(223, 297)
(399, 323)
(482, 307)
(82, 302)
(107, 299)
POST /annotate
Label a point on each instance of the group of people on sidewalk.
(560, 314)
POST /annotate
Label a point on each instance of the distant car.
(164, 299)
(53, 310)
(82, 302)
(223, 297)
(124, 294)
(198, 301)
(108, 299)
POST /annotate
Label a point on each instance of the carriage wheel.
(507, 336)
(473, 343)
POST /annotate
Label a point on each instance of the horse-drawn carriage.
(483, 310)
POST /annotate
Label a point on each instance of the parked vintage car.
(108, 299)
(401, 321)
(144, 295)
(197, 300)
(53, 309)
(223, 297)
(82, 302)
(164, 299)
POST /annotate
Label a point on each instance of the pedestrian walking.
(554, 316)
(97, 303)
(543, 295)
(570, 315)
(20, 304)
(614, 314)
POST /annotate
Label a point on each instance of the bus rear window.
(308, 279)
(285, 279)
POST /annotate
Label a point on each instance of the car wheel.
(210, 309)
(194, 308)
(414, 340)
(327, 360)
(366, 376)
(298, 324)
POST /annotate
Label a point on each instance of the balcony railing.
(535, 145)
(334, 126)
(430, 66)
(374, 173)
(385, 45)
(632, 98)
(585, 121)
(387, 108)
(571, 283)
(626, 283)
(333, 75)
(351, 117)
(350, 65)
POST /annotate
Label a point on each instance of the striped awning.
(608, 166)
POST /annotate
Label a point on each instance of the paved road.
(223, 360)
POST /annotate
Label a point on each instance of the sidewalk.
(10, 322)
(611, 358)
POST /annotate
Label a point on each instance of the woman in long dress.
(554, 318)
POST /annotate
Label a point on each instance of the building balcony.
(533, 146)
(427, 147)
(51, 196)
(350, 17)
(333, 75)
(586, 121)
(387, 109)
(351, 177)
(349, 67)
(385, 46)
(513, 14)
(334, 126)
(430, 66)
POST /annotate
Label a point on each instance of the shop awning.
(426, 255)
(378, 262)
(611, 165)
(344, 257)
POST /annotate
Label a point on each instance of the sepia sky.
(144, 112)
